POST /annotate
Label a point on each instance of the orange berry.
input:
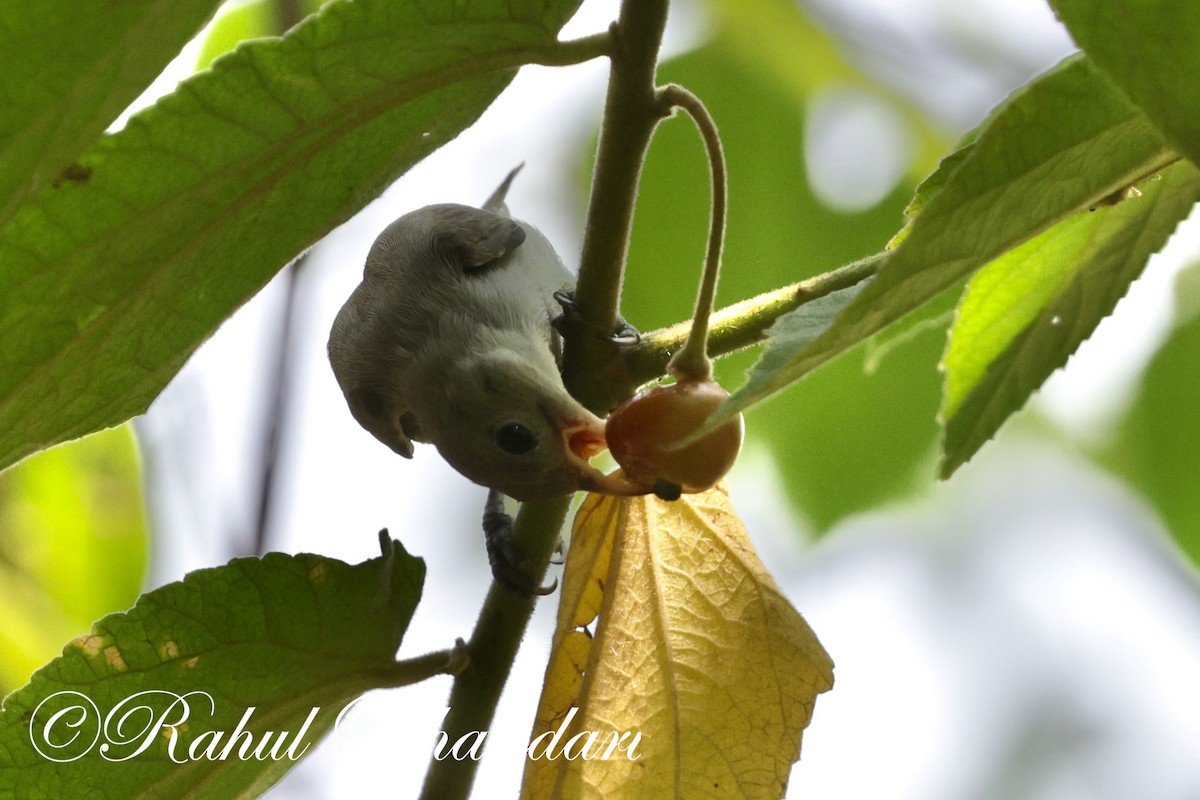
(642, 430)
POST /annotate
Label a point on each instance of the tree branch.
(491, 651)
(742, 324)
(423, 667)
(576, 51)
(593, 365)
(287, 15)
(631, 112)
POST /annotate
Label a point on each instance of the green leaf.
(67, 69)
(256, 19)
(1150, 50)
(1024, 314)
(1157, 445)
(109, 286)
(933, 318)
(1060, 145)
(858, 436)
(795, 330)
(928, 188)
(281, 636)
(860, 432)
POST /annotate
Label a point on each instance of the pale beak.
(583, 439)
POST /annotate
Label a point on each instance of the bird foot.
(510, 566)
(624, 334)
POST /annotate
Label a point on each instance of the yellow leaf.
(696, 657)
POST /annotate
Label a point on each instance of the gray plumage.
(448, 340)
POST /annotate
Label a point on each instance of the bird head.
(502, 417)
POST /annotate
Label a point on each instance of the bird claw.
(624, 334)
(509, 565)
(560, 553)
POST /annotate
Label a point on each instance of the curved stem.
(692, 360)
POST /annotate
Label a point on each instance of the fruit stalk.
(644, 432)
(692, 360)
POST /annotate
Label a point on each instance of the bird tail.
(496, 201)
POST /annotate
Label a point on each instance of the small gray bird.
(448, 340)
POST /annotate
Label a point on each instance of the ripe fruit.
(642, 430)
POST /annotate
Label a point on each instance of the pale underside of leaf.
(1024, 314)
(695, 648)
(788, 334)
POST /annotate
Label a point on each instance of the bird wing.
(474, 238)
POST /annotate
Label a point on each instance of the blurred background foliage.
(73, 547)
(1156, 446)
(251, 20)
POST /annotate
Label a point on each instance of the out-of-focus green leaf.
(67, 69)
(857, 437)
(1150, 50)
(778, 232)
(271, 639)
(110, 284)
(1060, 145)
(72, 547)
(257, 19)
(253, 20)
(763, 35)
(1024, 314)
(1157, 445)
(1187, 293)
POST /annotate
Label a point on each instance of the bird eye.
(515, 439)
